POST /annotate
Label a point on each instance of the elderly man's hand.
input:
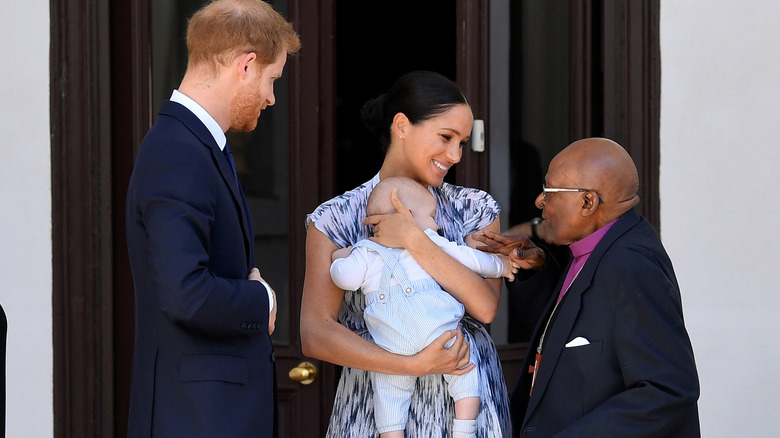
(521, 251)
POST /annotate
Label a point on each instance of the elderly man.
(610, 356)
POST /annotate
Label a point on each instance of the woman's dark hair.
(420, 95)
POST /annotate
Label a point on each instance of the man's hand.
(521, 251)
(254, 274)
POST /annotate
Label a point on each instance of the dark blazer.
(637, 377)
(203, 364)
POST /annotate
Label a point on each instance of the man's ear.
(243, 63)
(590, 203)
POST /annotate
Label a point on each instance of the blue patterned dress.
(461, 211)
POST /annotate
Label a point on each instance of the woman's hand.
(395, 230)
(521, 251)
(436, 359)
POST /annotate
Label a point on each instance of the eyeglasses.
(546, 190)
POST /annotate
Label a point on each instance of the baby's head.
(413, 195)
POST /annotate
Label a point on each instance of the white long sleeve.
(362, 269)
(349, 272)
(485, 264)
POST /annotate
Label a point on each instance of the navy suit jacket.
(637, 376)
(203, 363)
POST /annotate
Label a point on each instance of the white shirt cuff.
(270, 296)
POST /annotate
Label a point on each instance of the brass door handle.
(305, 373)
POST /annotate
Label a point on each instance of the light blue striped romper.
(460, 211)
(405, 318)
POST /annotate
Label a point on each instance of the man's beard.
(244, 113)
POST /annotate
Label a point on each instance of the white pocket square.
(579, 341)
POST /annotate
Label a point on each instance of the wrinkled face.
(563, 222)
(256, 94)
(433, 146)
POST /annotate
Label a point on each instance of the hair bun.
(373, 114)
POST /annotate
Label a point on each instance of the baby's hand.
(510, 269)
(340, 253)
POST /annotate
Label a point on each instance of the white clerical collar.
(202, 115)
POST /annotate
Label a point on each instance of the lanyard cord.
(555, 311)
(535, 368)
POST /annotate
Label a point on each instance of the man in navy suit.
(610, 355)
(203, 363)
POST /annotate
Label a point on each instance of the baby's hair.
(379, 201)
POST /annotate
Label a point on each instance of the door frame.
(312, 176)
(81, 219)
(473, 77)
(616, 84)
(92, 157)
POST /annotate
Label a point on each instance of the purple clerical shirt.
(581, 250)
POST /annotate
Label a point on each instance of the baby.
(406, 309)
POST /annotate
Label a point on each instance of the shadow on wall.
(3, 335)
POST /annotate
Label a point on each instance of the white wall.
(25, 216)
(720, 160)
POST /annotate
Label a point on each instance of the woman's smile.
(441, 166)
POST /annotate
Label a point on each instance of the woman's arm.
(480, 296)
(324, 338)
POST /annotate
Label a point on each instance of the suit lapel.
(560, 330)
(556, 336)
(198, 129)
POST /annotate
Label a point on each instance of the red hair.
(224, 29)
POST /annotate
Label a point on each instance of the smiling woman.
(422, 121)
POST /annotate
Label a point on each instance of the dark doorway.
(539, 77)
(376, 43)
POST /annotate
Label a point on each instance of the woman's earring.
(401, 136)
